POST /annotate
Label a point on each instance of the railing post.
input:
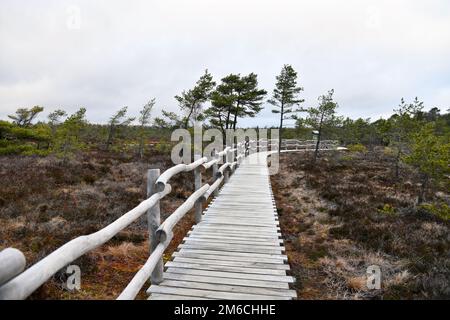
(215, 169)
(226, 173)
(154, 220)
(197, 185)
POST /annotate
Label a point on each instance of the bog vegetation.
(58, 169)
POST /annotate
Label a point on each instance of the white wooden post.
(226, 174)
(154, 220)
(215, 168)
(12, 262)
(198, 185)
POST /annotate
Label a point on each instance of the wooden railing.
(15, 283)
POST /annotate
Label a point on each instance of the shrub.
(357, 147)
(163, 147)
(387, 209)
(441, 210)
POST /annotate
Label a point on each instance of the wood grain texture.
(235, 252)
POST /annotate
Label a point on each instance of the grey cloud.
(371, 52)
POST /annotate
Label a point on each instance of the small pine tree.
(67, 140)
(25, 116)
(430, 154)
(117, 120)
(191, 101)
(144, 120)
(322, 116)
(285, 97)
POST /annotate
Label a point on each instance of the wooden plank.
(210, 267)
(231, 231)
(212, 294)
(211, 256)
(229, 281)
(229, 288)
(249, 240)
(221, 262)
(234, 275)
(240, 213)
(234, 248)
(237, 254)
(237, 235)
(238, 227)
(239, 222)
(229, 241)
(158, 296)
(220, 215)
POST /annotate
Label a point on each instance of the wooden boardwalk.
(236, 251)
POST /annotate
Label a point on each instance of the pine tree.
(192, 101)
(25, 116)
(285, 97)
(68, 135)
(118, 119)
(144, 120)
(235, 97)
(430, 155)
(322, 116)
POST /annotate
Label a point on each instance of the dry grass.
(45, 203)
(332, 217)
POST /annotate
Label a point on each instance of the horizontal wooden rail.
(167, 226)
(138, 281)
(12, 262)
(25, 283)
(169, 173)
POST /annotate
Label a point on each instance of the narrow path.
(236, 252)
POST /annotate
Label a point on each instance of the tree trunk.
(141, 147)
(186, 123)
(227, 121)
(235, 116)
(110, 137)
(319, 136)
(281, 128)
(397, 164)
(423, 189)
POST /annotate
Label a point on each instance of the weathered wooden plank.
(157, 296)
(227, 235)
(239, 232)
(239, 222)
(236, 253)
(229, 281)
(212, 294)
(241, 213)
(193, 240)
(193, 254)
(234, 275)
(219, 261)
(200, 266)
(229, 288)
(226, 229)
(234, 248)
(244, 240)
(238, 227)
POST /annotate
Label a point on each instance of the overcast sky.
(108, 54)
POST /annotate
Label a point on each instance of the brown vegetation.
(346, 212)
(45, 202)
